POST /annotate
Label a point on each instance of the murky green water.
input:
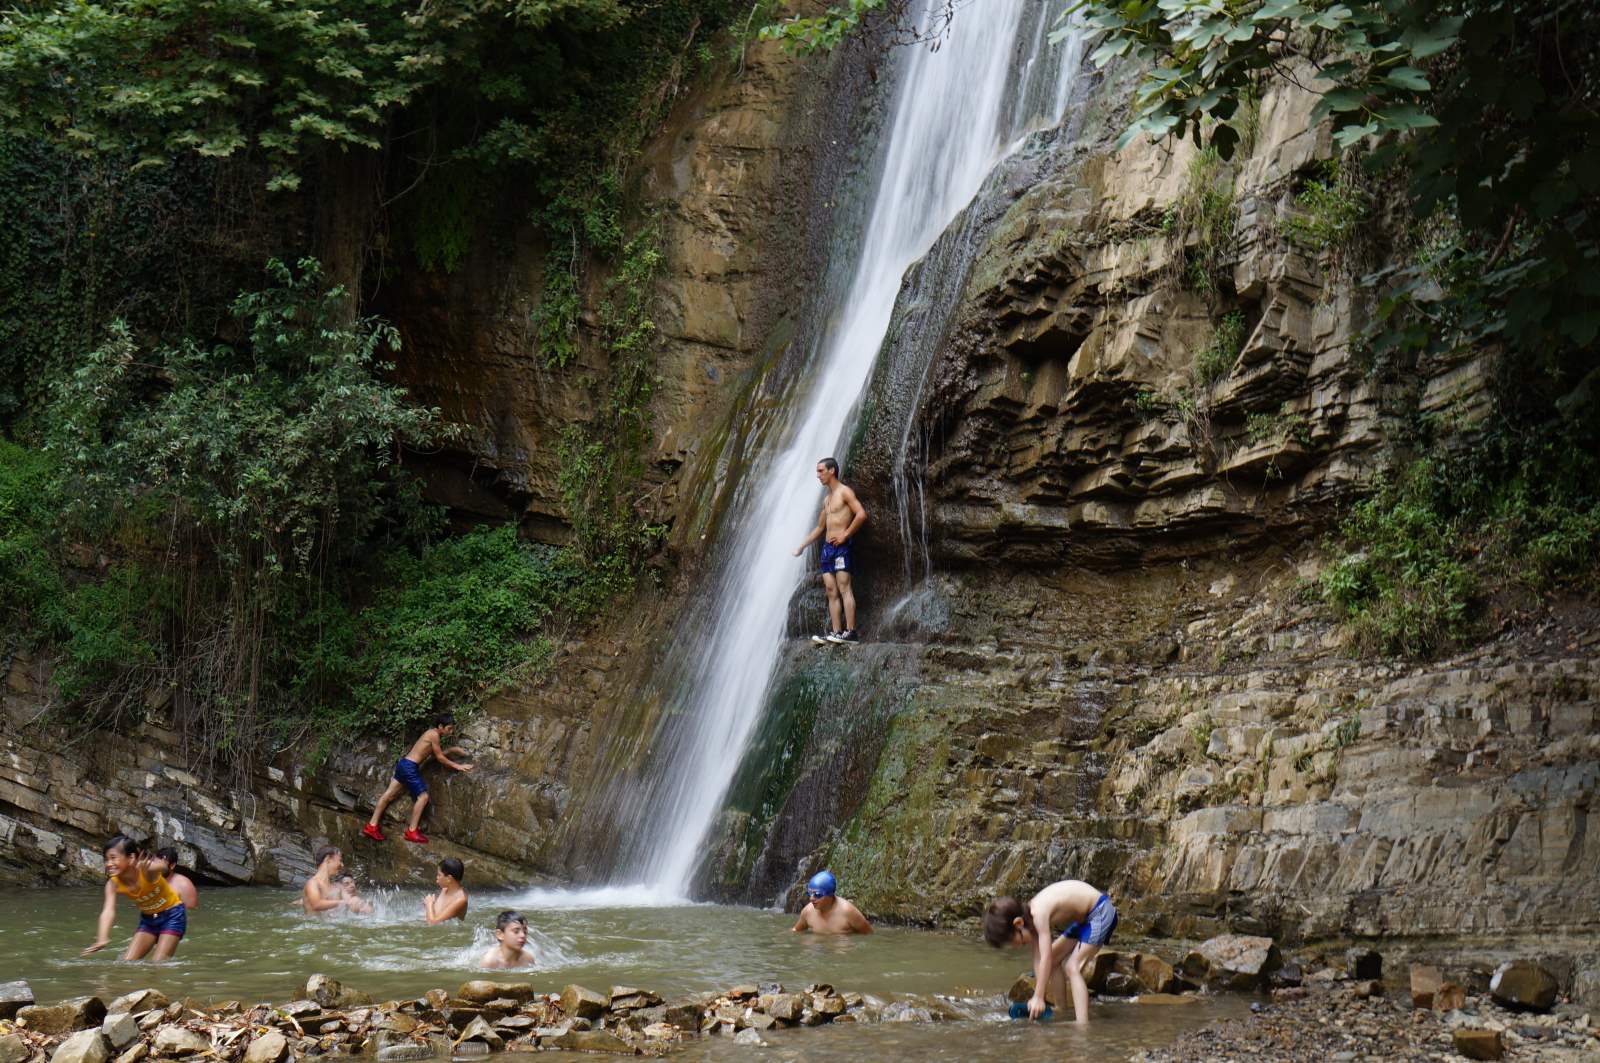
(255, 944)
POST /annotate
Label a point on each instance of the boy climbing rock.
(1089, 918)
(408, 776)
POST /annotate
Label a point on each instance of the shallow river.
(255, 944)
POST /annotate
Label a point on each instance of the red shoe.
(374, 833)
(415, 836)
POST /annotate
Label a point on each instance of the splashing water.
(955, 112)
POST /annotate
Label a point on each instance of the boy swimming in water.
(351, 896)
(321, 892)
(408, 776)
(825, 913)
(162, 917)
(165, 861)
(510, 947)
(1089, 918)
(451, 900)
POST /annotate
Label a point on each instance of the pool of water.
(256, 944)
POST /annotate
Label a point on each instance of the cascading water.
(956, 111)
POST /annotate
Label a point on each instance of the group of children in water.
(164, 897)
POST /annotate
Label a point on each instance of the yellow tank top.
(150, 895)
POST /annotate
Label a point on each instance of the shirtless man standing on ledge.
(842, 516)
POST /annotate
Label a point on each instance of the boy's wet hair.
(831, 464)
(445, 719)
(508, 917)
(999, 920)
(122, 844)
(322, 854)
(453, 867)
(168, 854)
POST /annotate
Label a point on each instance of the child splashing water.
(162, 917)
(510, 948)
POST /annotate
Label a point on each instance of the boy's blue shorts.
(1097, 929)
(409, 775)
(836, 558)
(174, 921)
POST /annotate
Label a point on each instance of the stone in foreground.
(85, 1046)
(1232, 961)
(269, 1047)
(1425, 983)
(14, 996)
(404, 1053)
(138, 1002)
(1479, 1044)
(177, 1041)
(1520, 984)
(583, 1003)
(65, 1017)
(590, 1041)
(482, 991)
(120, 1029)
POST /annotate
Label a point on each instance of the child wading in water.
(162, 918)
(451, 900)
(408, 776)
(510, 947)
(1089, 918)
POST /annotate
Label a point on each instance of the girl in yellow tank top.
(162, 918)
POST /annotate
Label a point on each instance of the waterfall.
(956, 111)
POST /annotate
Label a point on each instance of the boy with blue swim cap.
(1090, 919)
(827, 913)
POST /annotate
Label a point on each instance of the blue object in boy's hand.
(1019, 1010)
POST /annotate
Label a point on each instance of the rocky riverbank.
(479, 1018)
(1330, 1023)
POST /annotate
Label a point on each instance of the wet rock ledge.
(480, 1018)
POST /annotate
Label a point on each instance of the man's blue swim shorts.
(174, 921)
(409, 775)
(836, 558)
(1097, 929)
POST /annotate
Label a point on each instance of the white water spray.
(956, 112)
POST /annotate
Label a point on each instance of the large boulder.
(85, 1046)
(480, 1031)
(330, 993)
(119, 1029)
(138, 1002)
(589, 1041)
(173, 1040)
(582, 1003)
(79, 1013)
(1425, 982)
(13, 1049)
(482, 991)
(627, 998)
(14, 996)
(1232, 961)
(1478, 1044)
(269, 1047)
(1520, 984)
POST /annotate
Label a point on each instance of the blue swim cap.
(822, 884)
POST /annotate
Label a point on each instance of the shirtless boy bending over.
(825, 913)
(408, 777)
(1089, 918)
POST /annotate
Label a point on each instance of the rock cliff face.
(1114, 672)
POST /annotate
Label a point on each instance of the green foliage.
(1485, 105)
(1285, 424)
(1516, 509)
(273, 451)
(1217, 358)
(1331, 213)
(602, 462)
(1203, 224)
(452, 624)
(29, 581)
(444, 214)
